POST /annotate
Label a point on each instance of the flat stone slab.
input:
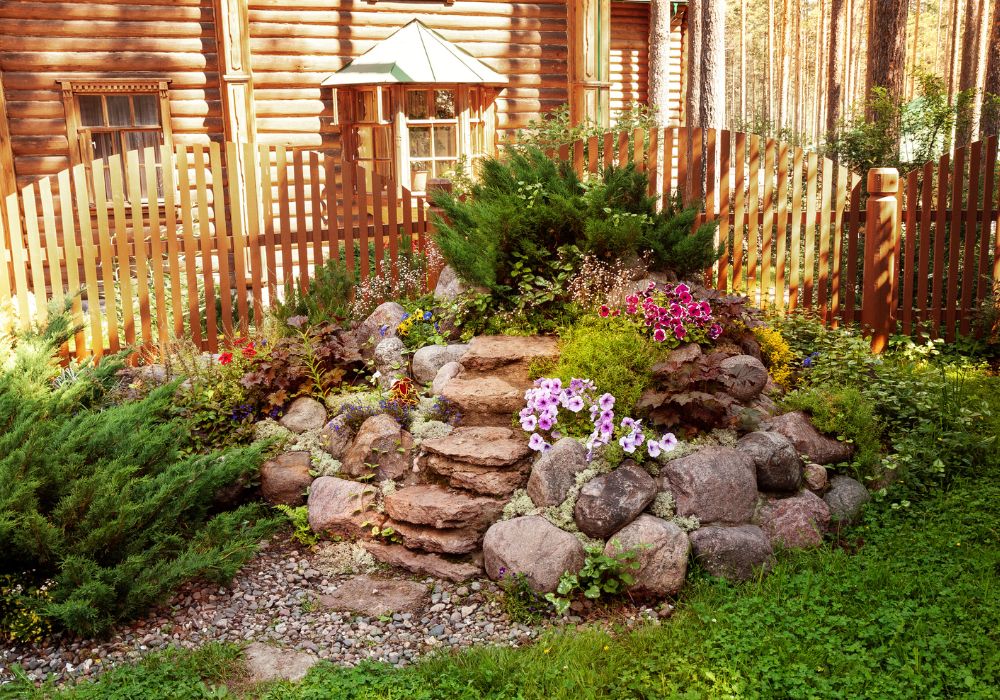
(374, 597)
(486, 400)
(268, 663)
(439, 507)
(481, 446)
(424, 564)
(487, 481)
(457, 540)
(499, 354)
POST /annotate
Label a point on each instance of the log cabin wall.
(295, 44)
(629, 55)
(44, 41)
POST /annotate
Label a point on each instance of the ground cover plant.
(101, 513)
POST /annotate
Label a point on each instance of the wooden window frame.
(71, 89)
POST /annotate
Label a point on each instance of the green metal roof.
(415, 54)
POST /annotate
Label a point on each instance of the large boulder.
(735, 553)
(744, 376)
(284, 479)
(532, 546)
(337, 437)
(383, 445)
(304, 414)
(382, 323)
(662, 549)
(554, 472)
(390, 362)
(610, 502)
(444, 375)
(449, 286)
(438, 507)
(845, 500)
(431, 358)
(341, 507)
(797, 522)
(778, 464)
(714, 484)
(808, 441)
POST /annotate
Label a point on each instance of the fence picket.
(173, 250)
(104, 253)
(955, 243)
(239, 237)
(254, 207)
(90, 264)
(753, 210)
(301, 240)
(971, 213)
(29, 207)
(781, 249)
(983, 291)
(316, 201)
(853, 235)
(767, 239)
(725, 168)
(843, 178)
(70, 252)
(139, 243)
(824, 240)
(940, 238)
(156, 247)
(809, 270)
(121, 243)
(924, 249)
(53, 258)
(795, 253)
(221, 239)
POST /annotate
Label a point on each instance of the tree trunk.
(692, 108)
(769, 60)
(835, 67)
(659, 61)
(967, 78)
(820, 42)
(991, 89)
(743, 62)
(786, 40)
(886, 48)
(953, 54)
(713, 65)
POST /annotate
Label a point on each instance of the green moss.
(613, 353)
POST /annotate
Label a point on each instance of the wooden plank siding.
(629, 55)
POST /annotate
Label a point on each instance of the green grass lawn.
(914, 613)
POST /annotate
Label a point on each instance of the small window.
(112, 118)
(431, 117)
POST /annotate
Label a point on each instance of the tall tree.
(955, 27)
(819, 92)
(835, 67)
(886, 47)
(786, 40)
(692, 105)
(743, 61)
(968, 79)
(713, 65)
(991, 107)
(769, 60)
(659, 60)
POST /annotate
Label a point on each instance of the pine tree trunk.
(786, 39)
(713, 65)
(991, 110)
(886, 48)
(967, 78)
(692, 108)
(743, 61)
(659, 60)
(820, 43)
(953, 54)
(769, 61)
(835, 67)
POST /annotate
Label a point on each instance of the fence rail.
(169, 242)
(792, 224)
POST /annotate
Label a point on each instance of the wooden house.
(406, 86)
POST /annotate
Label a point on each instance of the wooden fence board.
(924, 249)
(955, 243)
(753, 207)
(739, 210)
(301, 240)
(983, 270)
(239, 238)
(808, 276)
(969, 264)
(156, 248)
(139, 245)
(29, 207)
(767, 239)
(781, 248)
(796, 243)
(89, 255)
(725, 173)
(910, 232)
(825, 248)
(940, 239)
(221, 239)
(105, 253)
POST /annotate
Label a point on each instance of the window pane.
(387, 110)
(364, 106)
(105, 144)
(383, 167)
(418, 166)
(416, 104)
(364, 141)
(444, 104)
(442, 167)
(119, 113)
(138, 140)
(147, 110)
(420, 141)
(91, 112)
(445, 143)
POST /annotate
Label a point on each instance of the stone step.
(424, 564)
(485, 400)
(508, 357)
(437, 507)
(458, 540)
(488, 461)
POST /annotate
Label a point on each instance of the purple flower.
(529, 423)
(659, 335)
(628, 443)
(536, 442)
(628, 423)
(668, 442)
(383, 329)
(653, 447)
(576, 385)
(545, 423)
(606, 402)
(575, 404)
(714, 331)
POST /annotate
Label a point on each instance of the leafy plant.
(601, 576)
(778, 355)
(298, 517)
(522, 603)
(325, 299)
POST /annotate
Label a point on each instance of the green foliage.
(98, 504)
(325, 299)
(778, 356)
(555, 128)
(844, 413)
(298, 518)
(902, 134)
(601, 576)
(522, 603)
(613, 353)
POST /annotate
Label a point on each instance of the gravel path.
(276, 600)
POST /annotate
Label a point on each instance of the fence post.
(434, 184)
(878, 286)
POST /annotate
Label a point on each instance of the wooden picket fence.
(792, 225)
(205, 257)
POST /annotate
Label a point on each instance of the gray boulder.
(382, 323)
(304, 414)
(554, 472)
(845, 499)
(808, 441)
(444, 375)
(532, 546)
(428, 360)
(449, 286)
(662, 550)
(778, 464)
(815, 478)
(284, 479)
(797, 522)
(337, 437)
(390, 360)
(744, 376)
(610, 502)
(715, 484)
(341, 507)
(735, 553)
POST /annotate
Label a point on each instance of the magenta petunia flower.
(680, 332)
(659, 335)
(604, 311)
(545, 423)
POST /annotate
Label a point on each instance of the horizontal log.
(140, 41)
(550, 22)
(65, 11)
(48, 27)
(51, 61)
(463, 31)
(34, 78)
(342, 48)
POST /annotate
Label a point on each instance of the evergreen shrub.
(99, 507)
